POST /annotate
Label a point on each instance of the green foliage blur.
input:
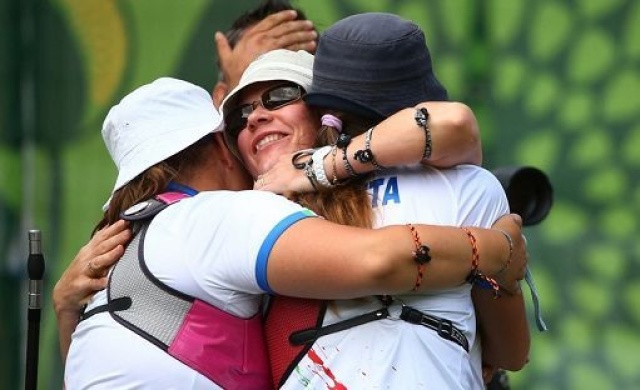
(553, 83)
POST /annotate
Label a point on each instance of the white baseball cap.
(275, 65)
(154, 122)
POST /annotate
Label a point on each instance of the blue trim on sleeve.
(177, 187)
(269, 241)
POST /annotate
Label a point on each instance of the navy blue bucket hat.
(373, 65)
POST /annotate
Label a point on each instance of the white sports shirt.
(393, 354)
(214, 247)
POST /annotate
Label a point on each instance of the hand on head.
(276, 31)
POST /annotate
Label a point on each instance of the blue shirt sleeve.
(267, 245)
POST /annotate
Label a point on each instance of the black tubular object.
(529, 192)
(35, 268)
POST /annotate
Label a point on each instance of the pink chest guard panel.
(228, 350)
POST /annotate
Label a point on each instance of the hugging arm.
(84, 276)
(503, 329)
(399, 140)
(502, 323)
(396, 141)
(315, 258)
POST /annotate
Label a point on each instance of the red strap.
(285, 316)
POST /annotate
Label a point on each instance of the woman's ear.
(237, 177)
(222, 150)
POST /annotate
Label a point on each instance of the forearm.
(455, 262)
(316, 259)
(398, 140)
(67, 308)
(67, 322)
(455, 135)
(86, 274)
(503, 329)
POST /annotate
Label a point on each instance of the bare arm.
(502, 323)
(80, 281)
(396, 141)
(318, 259)
(503, 328)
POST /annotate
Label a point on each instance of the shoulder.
(472, 171)
(245, 201)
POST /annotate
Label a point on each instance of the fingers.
(93, 270)
(296, 35)
(222, 47)
(309, 46)
(305, 27)
(97, 284)
(276, 19)
(107, 240)
(283, 33)
(103, 250)
(88, 271)
(517, 219)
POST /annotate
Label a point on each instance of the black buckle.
(445, 328)
(442, 326)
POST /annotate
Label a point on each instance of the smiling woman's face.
(269, 134)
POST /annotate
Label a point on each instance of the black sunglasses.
(272, 99)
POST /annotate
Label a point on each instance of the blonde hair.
(155, 179)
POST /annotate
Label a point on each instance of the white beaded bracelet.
(318, 166)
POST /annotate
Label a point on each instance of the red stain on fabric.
(318, 360)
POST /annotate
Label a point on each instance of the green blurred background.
(554, 84)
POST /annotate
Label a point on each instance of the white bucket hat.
(275, 65)
(154, 122)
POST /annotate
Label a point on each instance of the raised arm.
(396, 141)
(399, 140)
(277, 31)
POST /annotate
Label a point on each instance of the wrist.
(495, 254)
(319, 170)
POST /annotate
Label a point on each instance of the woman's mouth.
(268, 140)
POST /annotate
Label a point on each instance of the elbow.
(517, 364)
(518, 358)
(466, 122)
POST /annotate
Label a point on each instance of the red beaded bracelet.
(421, 256)
(475, 276)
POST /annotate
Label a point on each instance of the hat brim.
(157, 149)
(330, 101)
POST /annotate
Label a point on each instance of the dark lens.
(236, 120)
(281, 95)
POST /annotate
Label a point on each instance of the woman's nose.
(258, 116)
